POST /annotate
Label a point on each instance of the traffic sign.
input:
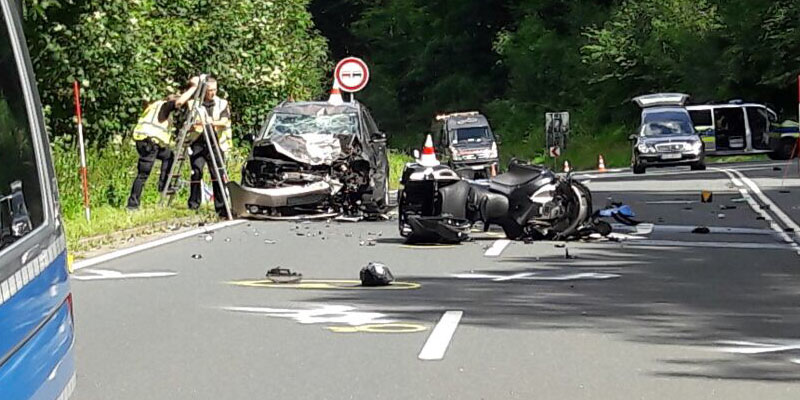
(351, 74)
(557, 129)
(555, 152)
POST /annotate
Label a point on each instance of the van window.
(16, 152)
(701, 117)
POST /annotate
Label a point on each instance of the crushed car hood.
(312, 149)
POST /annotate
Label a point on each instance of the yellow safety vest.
(225, 136)
(149, 126)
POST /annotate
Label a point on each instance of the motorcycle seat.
(517, 175)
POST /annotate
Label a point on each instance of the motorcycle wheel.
(578, 204)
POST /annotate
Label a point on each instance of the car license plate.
(671, 156)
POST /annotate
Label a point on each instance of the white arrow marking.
(326, 314)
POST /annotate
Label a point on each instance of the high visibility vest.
(224, 135)
(148, 125)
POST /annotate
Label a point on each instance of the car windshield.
(673, 122)
(665, 128)
(298, 125)
(474, 134)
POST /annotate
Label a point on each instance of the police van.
(36, 322)
(742, 128)
(466, 142)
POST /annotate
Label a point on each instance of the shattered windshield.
(298, 125)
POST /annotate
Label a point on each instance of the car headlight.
(493, 151)
(645, 148)
(455, 154)
(696, 146)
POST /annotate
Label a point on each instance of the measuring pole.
(84, 178)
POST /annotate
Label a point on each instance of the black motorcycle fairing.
(454, 199)
(437, 229)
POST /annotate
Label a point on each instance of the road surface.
(657, 313)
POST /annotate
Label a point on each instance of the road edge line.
(89, 262)
(497, 248)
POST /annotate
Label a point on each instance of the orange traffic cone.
(428, 157)
(567, 168)
(601, 164)
(336, 95)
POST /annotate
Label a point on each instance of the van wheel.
(784, 150)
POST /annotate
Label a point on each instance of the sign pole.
(84, 177)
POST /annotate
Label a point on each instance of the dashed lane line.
(497, 248)
(440, 337)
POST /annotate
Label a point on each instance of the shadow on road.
(675, 296)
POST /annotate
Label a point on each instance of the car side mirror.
(632, 137)
(379, 136)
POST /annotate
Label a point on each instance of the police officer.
(219, 118)
(152, 137)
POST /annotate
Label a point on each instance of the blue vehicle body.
(36, 321)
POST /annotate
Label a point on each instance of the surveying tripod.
(219, 174)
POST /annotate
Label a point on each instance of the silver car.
(666, 135)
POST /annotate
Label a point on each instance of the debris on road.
(738, 200)
(227, 239)
(197, 256)
(269, 241)
(284, 275)
(701, 229)
(560, 245)
(777, 169)
(765, 207)
(721, 216)
(726, 207)
(376, 274)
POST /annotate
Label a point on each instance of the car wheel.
(699, 166)
(637, 167)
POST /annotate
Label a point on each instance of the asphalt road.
(659, 314)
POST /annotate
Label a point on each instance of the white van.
(741, 128)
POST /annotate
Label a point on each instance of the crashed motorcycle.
(529, 202)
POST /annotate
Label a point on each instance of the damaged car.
(315, 158)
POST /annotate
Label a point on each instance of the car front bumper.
(658, 159)
(244, 198)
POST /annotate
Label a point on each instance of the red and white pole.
(84, 178)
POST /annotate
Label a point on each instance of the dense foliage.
(128, 52)
(517, 59)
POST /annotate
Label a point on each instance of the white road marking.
(149, 245)
(744, 347)
(724, 245)
(741, 181)
(105, 274)
(532, 276)
(325, 314)
(497, 248)
(440, 337)
(690, 228)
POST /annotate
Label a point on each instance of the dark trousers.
(199, 158)
(149, 151)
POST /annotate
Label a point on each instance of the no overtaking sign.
(351, 74)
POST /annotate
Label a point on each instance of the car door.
(758, 122)
(36, 334)
(380, 159)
